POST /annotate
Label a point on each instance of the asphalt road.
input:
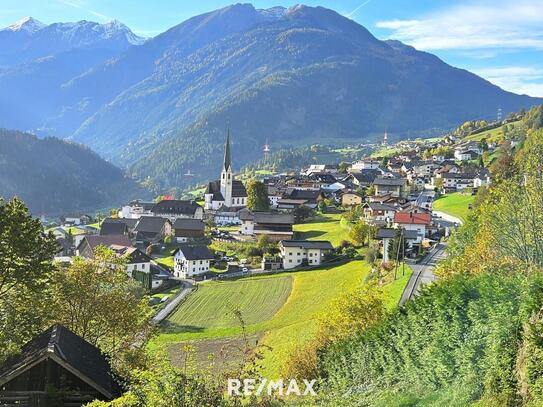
(423, 272)
(172, 305)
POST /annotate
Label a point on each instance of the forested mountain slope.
(54, 177)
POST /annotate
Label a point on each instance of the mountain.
(37, 60)
(29, 39)
(54, 177)
(290, 75)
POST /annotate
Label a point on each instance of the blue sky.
(499, 40)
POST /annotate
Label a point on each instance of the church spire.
(227, 159)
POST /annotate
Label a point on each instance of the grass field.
(493, 135)
(213, 305)
(282, 310)
(323, 227)
(456, 204)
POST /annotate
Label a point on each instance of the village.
(271, 255)
(173, 240)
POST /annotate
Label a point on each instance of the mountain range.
(161, 106)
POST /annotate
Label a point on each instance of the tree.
(26, 255)
(370, 191)
(99, 302)
(301, 213)
(359, 232)
(257, 196)
(343, 167)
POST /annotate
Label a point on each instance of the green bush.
(463, 331)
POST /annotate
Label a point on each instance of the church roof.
(227, 163)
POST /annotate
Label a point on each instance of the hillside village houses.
(395, 194)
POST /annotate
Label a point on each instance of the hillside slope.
(296, 75)
(305, 74)
(55, 177)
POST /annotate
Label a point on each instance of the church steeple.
(227, 164)
(227, 177)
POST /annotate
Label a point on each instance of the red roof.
(412, 218)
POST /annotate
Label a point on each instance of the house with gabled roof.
(419, 222)
(173, 209)
(152, 229)
(192, 261)
(61, 362)
(277, 226)
(295, 253)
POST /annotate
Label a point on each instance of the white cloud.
(81, 6)
(520, 79)
(498, 24)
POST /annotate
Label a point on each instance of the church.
(227, 192)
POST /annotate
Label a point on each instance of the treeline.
(475, 335)
(54, 177)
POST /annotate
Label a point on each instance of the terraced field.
(213, 305)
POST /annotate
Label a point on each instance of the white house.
(136, 209)
(419, 222)
(191, 261)
(296, 253)
(365, 165)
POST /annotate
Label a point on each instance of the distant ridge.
(290, 75)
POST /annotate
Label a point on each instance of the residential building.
(136, 209)
(320, 168)
(351, 198)
(192, 261)
(365, 165)
(151, 230)
(364, 178)
(419, 222)
(297, 253)
(393, 186)
(377, 213)
(178, 209)
(277, 226)
(188, 229)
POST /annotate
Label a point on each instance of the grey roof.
(238, 189)
(188, 224)
(308, 194)
(273, 218)
(113, 228)
(451, 175)
(366, 176)
(378, 206)
(129, 222)
(397, 182)
(308, 244)
(195, 252)
(176, 207)
(388, 233)
(151, 224)
(118, 240)
(63, 346)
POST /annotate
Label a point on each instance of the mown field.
(456, 204)
(213, 305)
(323, 227)
(281, 311)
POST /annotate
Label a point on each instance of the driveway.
(423, 272)
(172, 305)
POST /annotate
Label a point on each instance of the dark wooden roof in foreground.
(70, 351)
